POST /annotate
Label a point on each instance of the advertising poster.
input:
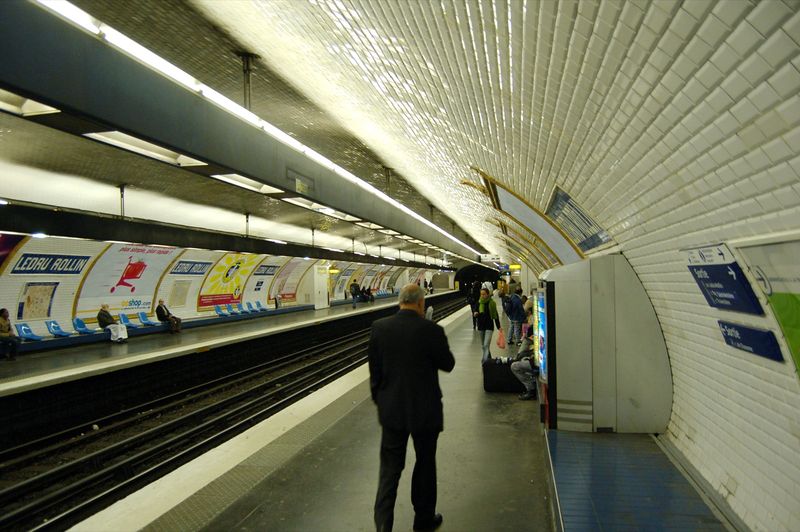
(377, 281)
(263, 276)
(776, 269)
(341, 289)
(393, 279)
(287, 279)
(369, 276)
(226, 280)
(125, 276)
(37, 301)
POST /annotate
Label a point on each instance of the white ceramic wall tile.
(673, 123)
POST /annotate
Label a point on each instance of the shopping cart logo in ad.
(132, 271)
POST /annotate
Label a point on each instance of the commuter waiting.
(119, 333)
(355, 290)
(164, 315)
(9, 341)
(485, 316)
(472, 299)
(524, 367)
(516, 315)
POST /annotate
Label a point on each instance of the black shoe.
(527, 396)
(433, 524)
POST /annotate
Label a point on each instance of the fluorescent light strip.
(21, 106)
(246, 183)
(142, 147)
(127, 45)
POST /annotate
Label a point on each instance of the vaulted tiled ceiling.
(176, 31)
(605, 100)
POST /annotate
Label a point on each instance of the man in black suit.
(406, 352)
(165, 316)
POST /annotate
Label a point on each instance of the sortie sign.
(721, 280)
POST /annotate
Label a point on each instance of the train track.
(62, 478)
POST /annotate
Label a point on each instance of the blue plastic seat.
(260, 306)
(221, 313)
(231, 311)
(124, 320)
(241, 309)
(250, 308)
(145, 320)
(24, 331)
(81, 327)
(55, 329)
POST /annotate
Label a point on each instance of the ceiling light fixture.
(72, 13)
(369, 225)
(246, 183)
(320, 208)
(142, 147)
(21, 106)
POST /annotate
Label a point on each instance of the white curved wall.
(716, 161)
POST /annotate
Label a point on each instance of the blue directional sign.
(722, 281)
(756, 341)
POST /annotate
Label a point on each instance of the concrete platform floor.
(492, 464)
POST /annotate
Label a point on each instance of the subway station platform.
(43, 368)
(314, 466)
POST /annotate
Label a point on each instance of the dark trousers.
(423, 480)
(8, 346)
(174, 323)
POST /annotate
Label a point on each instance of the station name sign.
(266, 269)
(190, 267)
(721, 280)
(41, 263)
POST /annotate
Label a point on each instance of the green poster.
(786, 308)
(776, 268)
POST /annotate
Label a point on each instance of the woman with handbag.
(486, 316)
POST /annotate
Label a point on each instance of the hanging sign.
(756, 341)
(721, 280)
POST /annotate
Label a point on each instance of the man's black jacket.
(406, 353)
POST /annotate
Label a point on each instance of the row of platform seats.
(54, 328)
(25, 332)
(231, 311)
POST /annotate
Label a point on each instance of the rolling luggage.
(497, 377)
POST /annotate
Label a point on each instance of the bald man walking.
(406, 352)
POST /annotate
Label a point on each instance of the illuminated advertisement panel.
(541, 325)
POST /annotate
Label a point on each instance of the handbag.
(501, 338)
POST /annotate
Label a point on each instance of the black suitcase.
(497, 377)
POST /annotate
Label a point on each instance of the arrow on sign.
(731, 273)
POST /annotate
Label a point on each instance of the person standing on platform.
(516, 315)
(472, 298)
(486, 315)
(355, 290)
(406, 352)
(164, 315)
(119, 333)
(9, 340)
